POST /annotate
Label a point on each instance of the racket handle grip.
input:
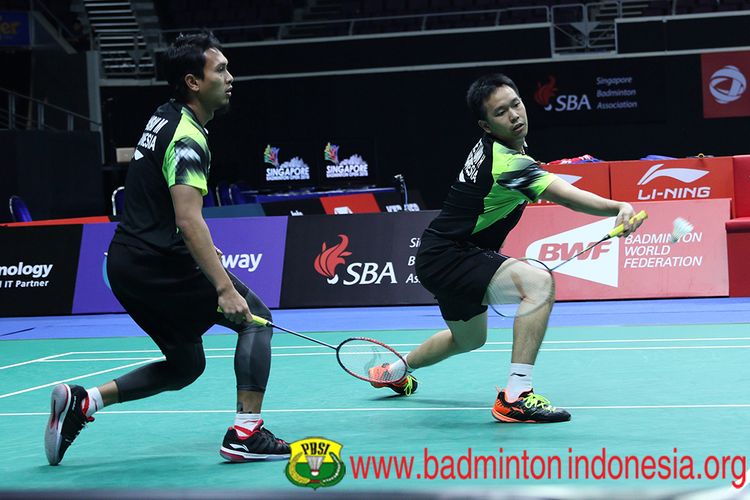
(642, 215)
(253, 318)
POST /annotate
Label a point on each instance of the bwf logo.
(355, 273)
(600, 264)
(684, 175)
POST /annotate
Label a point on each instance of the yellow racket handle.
(253, 318)
(642, 215)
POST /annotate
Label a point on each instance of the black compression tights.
(182, 366)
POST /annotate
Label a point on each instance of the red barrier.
(741, 186)
(350, 204)
(61, 222)
(592, 177)
(643, 265)
(738, 250)
(685, 179)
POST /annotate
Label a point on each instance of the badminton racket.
(525, 285)
(361, 357)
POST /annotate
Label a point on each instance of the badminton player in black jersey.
(165, 271)
(458, 259)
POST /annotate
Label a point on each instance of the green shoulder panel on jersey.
(187, 158)
(517, 179)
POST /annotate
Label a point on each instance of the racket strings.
(371, 360)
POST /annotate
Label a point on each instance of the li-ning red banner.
(685, 179)
(742, 186)
(725, 76)
(593, 177)
(643, 265)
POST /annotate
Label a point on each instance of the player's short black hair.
(482, 88)
(185, 56)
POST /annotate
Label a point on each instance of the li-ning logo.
(315, 462)
(685, 175)
(727, 84)
(356, 273)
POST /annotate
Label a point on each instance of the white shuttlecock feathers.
(681, 228)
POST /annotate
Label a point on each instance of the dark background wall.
(420, 127)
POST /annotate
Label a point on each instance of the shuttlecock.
(681, 228)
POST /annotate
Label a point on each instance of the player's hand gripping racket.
(523, 286)
(358, 356)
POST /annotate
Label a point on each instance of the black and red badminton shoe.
(529, 408)
(67, 419)
(260, 445)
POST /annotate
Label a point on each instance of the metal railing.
(38, 115)
(364, 25)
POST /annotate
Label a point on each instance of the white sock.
(94, 402)
(519, 381)
(397, 368)
(246, 423)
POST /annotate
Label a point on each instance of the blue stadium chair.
(222, 194)
(19, 212)
(236, 196)
(210, 199)
(118, 201)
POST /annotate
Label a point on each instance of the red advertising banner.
(742, 186)
(643, 265)
(725, 76)
(593, 177)
(350, 204)
(684, 179)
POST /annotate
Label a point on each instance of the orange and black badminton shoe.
(405, 387)
(529, 408)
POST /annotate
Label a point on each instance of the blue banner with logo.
(253, 249)
(14, 29)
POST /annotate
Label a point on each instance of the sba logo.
(315, 462)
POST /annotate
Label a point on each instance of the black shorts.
(169, 297)
(457, 273)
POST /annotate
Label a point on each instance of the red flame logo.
(545, 92)
(329, 258)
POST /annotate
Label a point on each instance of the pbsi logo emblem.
(671, 192)
(315, 462)
(599, 265)
(356, 273)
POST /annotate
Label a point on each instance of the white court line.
(397, 409)
(34, 360)
(330, 353)
(77, 378)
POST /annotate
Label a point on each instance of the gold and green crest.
(315, 462)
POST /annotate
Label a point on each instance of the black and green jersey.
(172, 150)
(490, 194)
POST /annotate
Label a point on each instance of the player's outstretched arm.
(569, 196)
